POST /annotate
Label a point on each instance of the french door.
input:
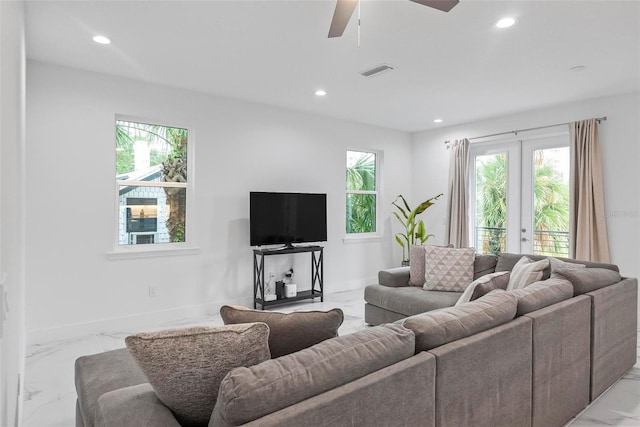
(519, 196)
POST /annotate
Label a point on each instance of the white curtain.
(588, 229)
(457, 233)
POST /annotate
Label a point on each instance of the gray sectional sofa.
(533, 357)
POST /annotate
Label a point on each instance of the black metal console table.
(317, 275)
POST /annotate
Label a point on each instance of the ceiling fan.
(345, 8)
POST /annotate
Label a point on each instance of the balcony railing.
(489, 240)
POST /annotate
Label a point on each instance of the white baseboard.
(142, 321)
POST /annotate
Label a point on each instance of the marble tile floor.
(49, 396)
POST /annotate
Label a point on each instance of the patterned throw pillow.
(526, 272)
(288, 332)
(448, 269)
(484, 285)
(186, 366)
(416, 264)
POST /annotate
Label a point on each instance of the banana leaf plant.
(414, 228)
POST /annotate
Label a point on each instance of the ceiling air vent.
(376, 71)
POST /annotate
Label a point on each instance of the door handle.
(524, 239)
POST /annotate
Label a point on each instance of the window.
(152, 182)
(362, 192)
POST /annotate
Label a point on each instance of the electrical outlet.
(153, 291)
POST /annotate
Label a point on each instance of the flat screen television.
(287, 218)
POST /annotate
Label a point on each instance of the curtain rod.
(515, 132)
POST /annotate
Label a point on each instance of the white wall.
(619, 141)
(72, 287)
(12, 92)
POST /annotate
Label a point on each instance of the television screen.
(286, 218)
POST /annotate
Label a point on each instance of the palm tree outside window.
(361, 192)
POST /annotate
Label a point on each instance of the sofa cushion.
(288, 332)
(542, 294)
(443, 326)
(185, 366)
(394, 277)
(448, 269)
(484, 285)
(526, 272)
(101, 373)
(250, 393)
(588, 279)
(484, 264)
(135, 405)
(408, 300)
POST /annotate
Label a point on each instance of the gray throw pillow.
(436, 328)
(247, 394)
(484, 285)
(288, 332)
(588, 279)
(557, 264)
(185, 366)
(416, 266)
(542, 294)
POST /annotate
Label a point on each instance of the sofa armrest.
(133, 406)
(394, 277)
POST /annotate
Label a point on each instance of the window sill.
(132, 252)
(362, 239)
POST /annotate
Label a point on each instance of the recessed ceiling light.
(101, 40)
(578, 68)
(321, 92)
(437, 121)
(505, 22)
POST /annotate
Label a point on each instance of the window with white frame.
(152, 180)
(362, 183)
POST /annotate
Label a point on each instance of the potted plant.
(414, 230)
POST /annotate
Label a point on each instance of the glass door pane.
(490, 227)
(551, 201)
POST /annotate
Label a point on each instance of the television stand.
(317, 275)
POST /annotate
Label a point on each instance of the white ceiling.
(456, 66)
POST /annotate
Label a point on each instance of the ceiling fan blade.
(341, 16)
(443, 5)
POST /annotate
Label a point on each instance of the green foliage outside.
(127, 133)
(551, 204)
(361, 207)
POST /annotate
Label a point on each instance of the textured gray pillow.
(185, 366)
(542, 294)
(288, 332)
(247, 394)
(526, 272)
(484, 285)
(557, 264)
(416, 266)
(436, 328)
(588, 279)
